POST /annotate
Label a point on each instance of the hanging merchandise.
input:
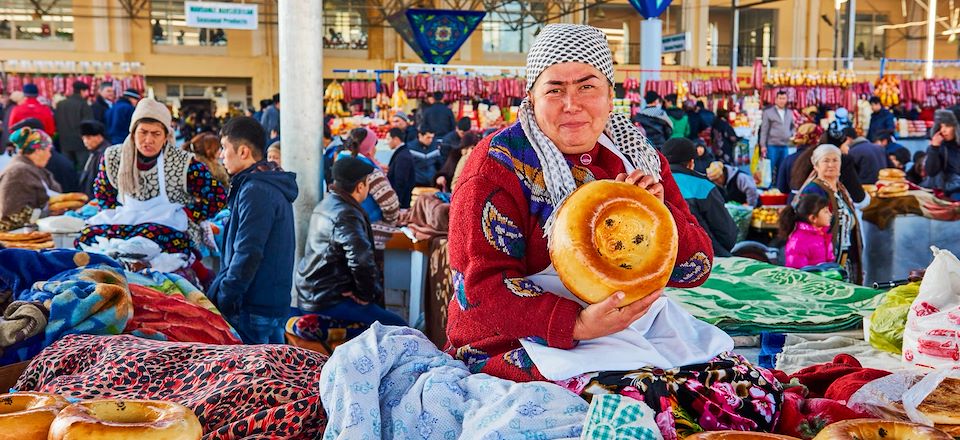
(631, 87)
(502, 90)
(54, 78)
(888, 90)
(333, 98)
(936, 92)
(798, 77)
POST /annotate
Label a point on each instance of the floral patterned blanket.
(746, 297)
(392, 382)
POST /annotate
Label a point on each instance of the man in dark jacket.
(270, 119)
(94, 136)
(402, 170)
(253, 287)
(13, 100)
(868, 157)
(654, 120)
(62, 169)
(942, 165)
(70, 113)
(452, 140)
(119, 116)
(438, 117)
(704, 198)
(881, 120)
(426, 157)
(104, 101)
(338, 276)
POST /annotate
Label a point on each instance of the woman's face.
(40, 157)
(948, 132)
(828, 168)
(572, 104)
(273, 155)
(150, 137)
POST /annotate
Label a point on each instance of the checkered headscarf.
(574, 43)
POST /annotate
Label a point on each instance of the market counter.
(890, 254)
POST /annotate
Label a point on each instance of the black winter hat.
(350, 170)
(92, 127)
(679, 150)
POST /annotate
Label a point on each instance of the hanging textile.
(440, 33)
(402, 25)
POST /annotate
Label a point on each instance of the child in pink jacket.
(808, 225)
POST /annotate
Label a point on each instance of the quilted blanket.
(20, 268)
(746, 297)
(237, 391)
(392, 382)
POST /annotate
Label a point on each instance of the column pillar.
(301, 98)
(651, 47)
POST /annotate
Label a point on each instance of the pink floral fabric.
(725, 393)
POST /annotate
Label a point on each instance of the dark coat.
(402, 174)
(64, 172)
(706, 202)
(439, 118)
(258, 244)
(880, 121)
(22, 186)
(426, 159)
(869, 159)
(99, 108)
(338, 257)
(658, 130)
(90, 169)
(118, 120)
(70, 112)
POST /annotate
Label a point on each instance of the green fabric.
(746, 297)
(890, 318)
(615, 417)
(681, 127)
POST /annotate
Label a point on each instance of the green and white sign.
(217, 15)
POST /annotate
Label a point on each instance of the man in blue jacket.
(705, 199)
(119, 116)
(253, 287)
(426, 157)
(881, 120)
(402, 171)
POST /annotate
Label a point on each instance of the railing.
(746, 54)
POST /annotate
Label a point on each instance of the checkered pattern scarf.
(565, 43)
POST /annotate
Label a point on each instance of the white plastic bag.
(897, 396)
(932, 336)
(766, 172)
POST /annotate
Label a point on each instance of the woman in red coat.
(500, 223)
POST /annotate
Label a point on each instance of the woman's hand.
(643, 181)
(948, 212)
(936, 140)
(441, 183)
(605, 318)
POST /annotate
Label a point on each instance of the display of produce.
(892, 183)
(27, 416)
(766, 217)
(797, 77)
(772, 197)
(888, 90)
(109, 419)
(333, 97)
(612, 236)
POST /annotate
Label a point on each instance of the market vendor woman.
(148, 187)
(566, 136)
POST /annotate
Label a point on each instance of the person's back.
(402, 174)
(704, 198)
(439, 118)
(70, 113)
(681, 124)
(32, 108)
(253, 287)
(869, 159)
(118, 120)
(881, 120)
(656, 124)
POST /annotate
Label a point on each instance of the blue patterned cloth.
(20, 268)
(92, 300)
(440, 33)
(392, 382)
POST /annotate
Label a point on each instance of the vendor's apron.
(667, 336)
(159, 210)
(50, 192)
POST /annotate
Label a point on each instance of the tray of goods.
(766, 217)
(27, 240)
(773, 197)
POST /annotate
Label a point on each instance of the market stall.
(55, 78)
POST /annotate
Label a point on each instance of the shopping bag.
(766, 172)
(930, 338)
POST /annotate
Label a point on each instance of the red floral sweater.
(496, 240)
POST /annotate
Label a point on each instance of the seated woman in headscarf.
(148, 187)
(25, 184)
(509, 306)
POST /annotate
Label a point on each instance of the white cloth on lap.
(667, 336)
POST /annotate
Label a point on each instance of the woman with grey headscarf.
(845, 228)
(500, 224)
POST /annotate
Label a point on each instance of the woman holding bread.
(844, 228)
(25, 184)
(512, 318)
(148, 187)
